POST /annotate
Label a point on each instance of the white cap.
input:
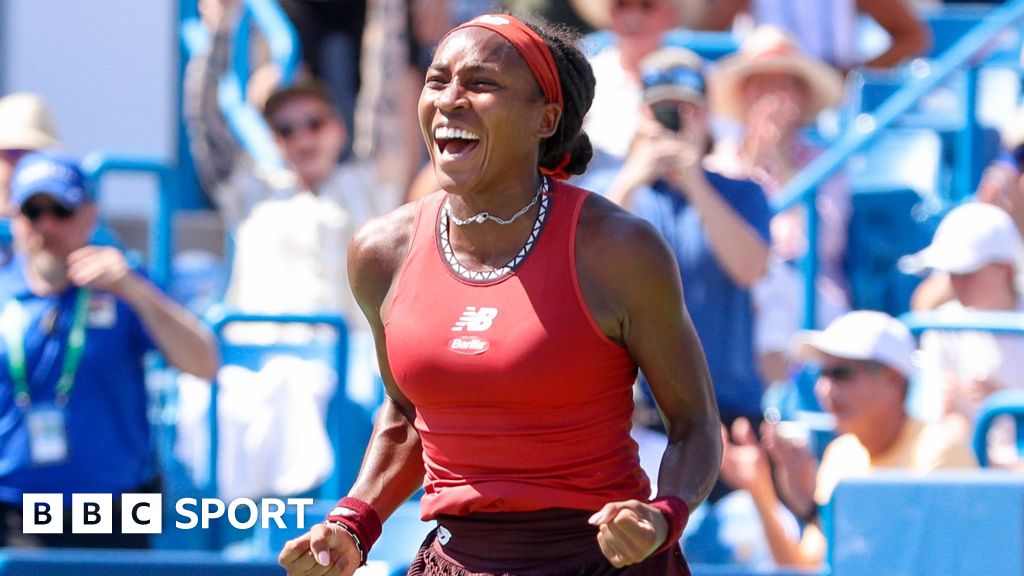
(861, 335)
(969, 237)
(26, 123)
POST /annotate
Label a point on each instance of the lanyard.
(13, 323)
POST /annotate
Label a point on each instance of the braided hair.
(578, 83)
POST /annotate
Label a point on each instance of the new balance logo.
(475, 319)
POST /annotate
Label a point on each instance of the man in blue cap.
(76, 321)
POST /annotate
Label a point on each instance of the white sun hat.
(860, 335)
(969, 237)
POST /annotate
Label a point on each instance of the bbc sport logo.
(143, 513)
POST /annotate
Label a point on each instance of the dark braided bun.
(578, 83)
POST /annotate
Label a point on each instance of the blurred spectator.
(292, 225)
(774, 90)
(980, 249)
(828, 29)
(331, 35)
(865, 360)
(717, 227)
(555, 11)
(1002, 184)
(76, 323)
(291, 228)
(638, 27)
(25, 125)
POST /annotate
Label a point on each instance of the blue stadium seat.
(349, 423)
(897, 201)
(944, 524)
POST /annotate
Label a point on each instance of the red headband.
(530, 46)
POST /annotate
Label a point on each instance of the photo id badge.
(48, 440)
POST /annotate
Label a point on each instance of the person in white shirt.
(639, 28)
(291, 224)
(979, 247)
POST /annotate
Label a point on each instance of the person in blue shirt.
(76, 321)
(717, 227)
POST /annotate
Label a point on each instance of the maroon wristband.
(677, 513)
(361, 519)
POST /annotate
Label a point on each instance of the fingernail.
(593, 519)
(323, 558)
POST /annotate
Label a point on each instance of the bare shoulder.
(615, 245)
(377, 252)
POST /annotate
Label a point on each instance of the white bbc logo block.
(92, 513)
(42, 514)
(141, 513)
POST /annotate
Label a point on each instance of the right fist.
(326, 550)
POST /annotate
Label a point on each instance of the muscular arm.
(392, 467)
(186, 343)
(736, 245)
(393, 464)
(632, 286)
(909, 35)
(214, 149)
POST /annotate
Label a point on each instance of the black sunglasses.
(645, 5)
(311, 123)
(840, 373)
(845, 372)
(35, 211)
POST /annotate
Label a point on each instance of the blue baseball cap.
(672, 73)
(44, 173)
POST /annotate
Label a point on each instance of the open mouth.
(455, 141)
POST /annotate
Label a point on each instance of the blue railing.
(99, 164)
(863, 130)
(282, 40)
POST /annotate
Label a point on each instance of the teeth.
(448, 133)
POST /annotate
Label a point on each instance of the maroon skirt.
(555, 542)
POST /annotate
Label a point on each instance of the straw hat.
(598, 13)
(770, 49)
(26, 123)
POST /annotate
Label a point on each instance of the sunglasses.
(677, 76)
(645, 5)
(846, 372)
(36, 211)
(310, 124)
(13, 156)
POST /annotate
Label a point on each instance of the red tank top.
(522, 403)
